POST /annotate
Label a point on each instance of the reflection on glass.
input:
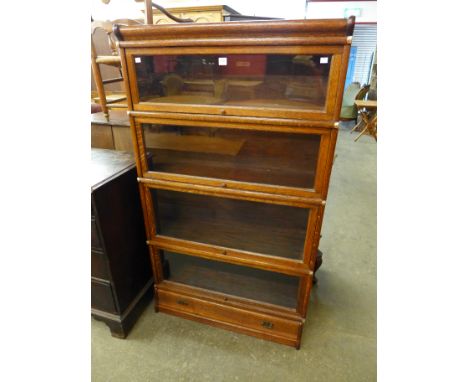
(284, 159)
(270, 229)
(276, 81)
(254, 284)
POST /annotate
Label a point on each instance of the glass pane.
(254, 284)
(258, 227)
(282, 159)
(255, 80)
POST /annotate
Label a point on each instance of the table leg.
(365, 118)
(358, 125)
(373, 126)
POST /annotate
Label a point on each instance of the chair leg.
(367, 123)
(100, 90)
(98, 81)
(358, 125)
(362, 133)
(373, 127)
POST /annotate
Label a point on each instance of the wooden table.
(368, 111)
(247, 86)
(113, 133)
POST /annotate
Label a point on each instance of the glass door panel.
(282, 159)
(250, 283)
(279, 81)
(268, 229)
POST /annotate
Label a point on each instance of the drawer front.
(99, 267)
(102, 297)
(261, 323)
(95, 238)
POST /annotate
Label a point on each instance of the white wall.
(332, 10)
(293, 9)
(116, 9)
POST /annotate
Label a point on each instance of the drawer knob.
(267, 324)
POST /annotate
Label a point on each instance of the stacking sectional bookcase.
(241, 121)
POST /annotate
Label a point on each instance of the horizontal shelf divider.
(232, 184)
(233, 256)
(235, 121)
(225, 192)
(230, 111)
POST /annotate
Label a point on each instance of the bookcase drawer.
(261, 325)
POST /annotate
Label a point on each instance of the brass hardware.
(223, 112)
(224, 252)
(267, 324)
(223, 185)
(182, 302)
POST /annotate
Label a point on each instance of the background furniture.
(106, 66)
(113, 60)
(352, 93)
(121, 279)
(112, 133)
(203, 14)
(235, 192)
(367, 109)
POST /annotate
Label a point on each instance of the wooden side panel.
(101, 137)
(122, 138)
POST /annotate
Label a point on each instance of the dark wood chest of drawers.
(121, 276)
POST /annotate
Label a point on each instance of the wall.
(330, 10)
(294, 9)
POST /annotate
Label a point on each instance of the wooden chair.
(349, 111)
(110, 60)
(370, 125)
(360, 96)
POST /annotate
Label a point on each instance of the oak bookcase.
(241, 121)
